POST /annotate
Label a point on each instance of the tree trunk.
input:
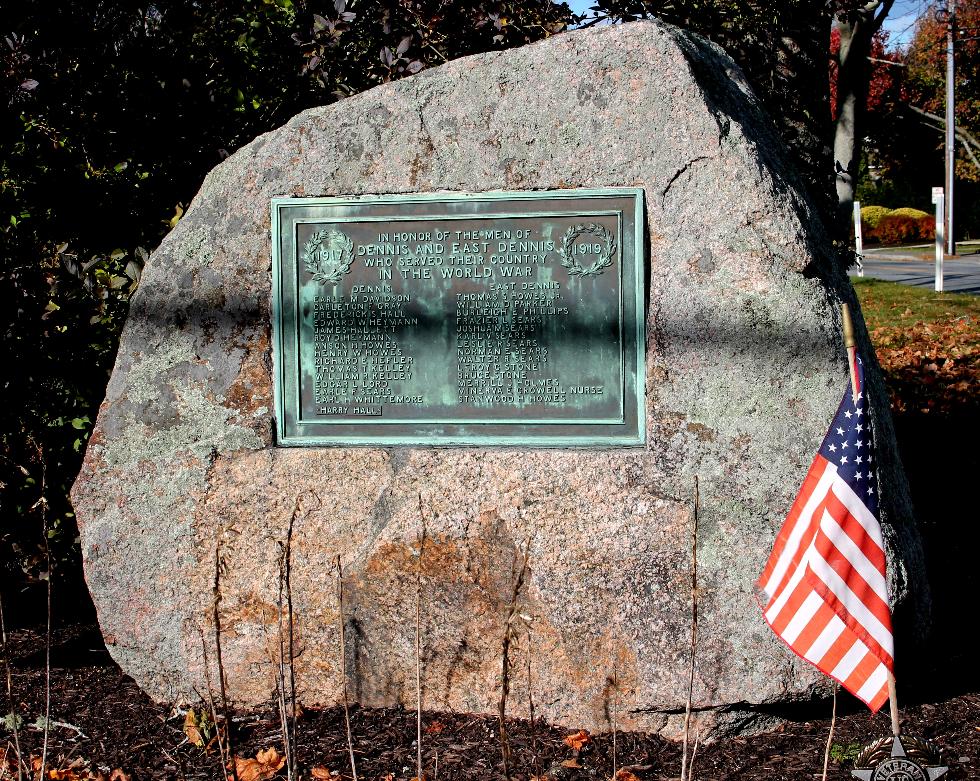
(857, 29)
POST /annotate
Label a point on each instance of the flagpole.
(850, 344)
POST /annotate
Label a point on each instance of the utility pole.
(950, 126)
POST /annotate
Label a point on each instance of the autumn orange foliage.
(931, 367)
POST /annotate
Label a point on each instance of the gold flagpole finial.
(849, 340)
(850, 344)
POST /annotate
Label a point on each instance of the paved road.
(959, 276)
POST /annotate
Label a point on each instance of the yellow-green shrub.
(871, 216)
(908, 211)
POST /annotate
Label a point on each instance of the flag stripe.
(801, 617)
(854, 529)
(859, 511)
(853, 568)
(826, 640)
(874, 684)
(862, 671)
(840, 551)
(849, 661)
(793, 596)
(815, 628)
(859, 615)
(798, 529)
(837, 651)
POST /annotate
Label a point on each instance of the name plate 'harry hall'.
(504, 318)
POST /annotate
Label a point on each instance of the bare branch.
(505, 660)
(969, 151)
(10, 693)
(830, 736)
(418, 643)
(222, 682)
(960, 131)
(343, 664)
(962, 135)
(43, 502)
(685, 767)
(225, 760)
(879, 19)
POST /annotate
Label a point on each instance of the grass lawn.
(892, 305)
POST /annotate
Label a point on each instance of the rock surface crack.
(686, 167)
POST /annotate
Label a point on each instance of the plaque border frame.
(588, 440)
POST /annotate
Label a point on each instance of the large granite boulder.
(745, 368)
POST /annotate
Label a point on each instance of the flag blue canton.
(849, 446)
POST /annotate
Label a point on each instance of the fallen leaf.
(435, 728)
(119, 775)
(320, 772)
(576, 740)
(570, 763)
(265, 765)
(625, 775)
(178, 213)
(68, 774)
(191, 729)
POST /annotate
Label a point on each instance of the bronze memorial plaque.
(504, 318)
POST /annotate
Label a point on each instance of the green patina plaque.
(504, 318)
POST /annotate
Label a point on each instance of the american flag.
(824, 586)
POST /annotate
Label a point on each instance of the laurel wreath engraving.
(604, 260)
(324, 271)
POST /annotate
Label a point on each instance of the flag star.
(858, 476)
(847, 413)
(843, 460)
(869, 458)
(870, 490)
(859, 444)
(859, 427)
(832, 448)
(860, 395)
(846, 443)
(840, 432)
(860, 412)
(858, 460)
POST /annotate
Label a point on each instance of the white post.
(858, 244)
(950, 125)
(939, 200)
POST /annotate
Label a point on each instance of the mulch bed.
(105, 722)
